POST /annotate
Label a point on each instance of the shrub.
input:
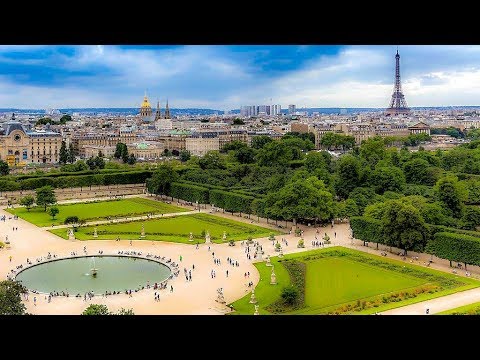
(71, 220)
(290, 295)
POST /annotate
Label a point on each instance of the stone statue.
(142, 235)
(268, 261)
(281, 254)
(253, 300)
(191, 237)
(224, 236)
(273, 277)
(256, 310)
(207, 238)
(95, 235)
(259, 253)
(71, 235)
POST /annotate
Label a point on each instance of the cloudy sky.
(226, 77)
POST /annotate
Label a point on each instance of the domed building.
(146, 109)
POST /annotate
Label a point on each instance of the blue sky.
(226, 77)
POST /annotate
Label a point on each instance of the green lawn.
(471, 309)
(339, 278)
(176, 229)
(96, 210)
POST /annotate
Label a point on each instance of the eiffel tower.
(398, 105)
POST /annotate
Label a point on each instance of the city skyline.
(227, 77)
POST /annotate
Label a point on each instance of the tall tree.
(372, 151)
(185, 155)
(259, 142)
(131, 159)
(10, 298)
(348, 175)
(301, 199)
(388, 178)
(451, 194)
(53, 211)
(99, 162)
(65, 118)
(27, 201)
(71, 154)
(45, 196)
(212, 160)
(162, 179)
(4, 169)
(63, 153)
(403, 226)
(121, 152)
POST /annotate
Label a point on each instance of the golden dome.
(145, 103)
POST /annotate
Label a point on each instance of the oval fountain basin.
(73, 275)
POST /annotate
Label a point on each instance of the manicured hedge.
(189, 192)
(455, 247)
(367, 229)
(433, 229)
(231, 201)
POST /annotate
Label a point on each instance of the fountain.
(94, 270)
(81, 274)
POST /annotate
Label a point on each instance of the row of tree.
(109, 178)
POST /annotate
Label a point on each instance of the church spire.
(158, 113)
(167, 111)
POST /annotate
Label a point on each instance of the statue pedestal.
(253, 299)
(268, 261)
(273, 279)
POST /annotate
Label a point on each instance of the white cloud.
(210, 76)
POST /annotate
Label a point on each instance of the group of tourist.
(188, 274)
(233, 262)
(318, 244)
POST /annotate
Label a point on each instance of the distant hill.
(112, 111)
(200, 111)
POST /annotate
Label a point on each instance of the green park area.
(96, 210)
(176, 229)
(471, 309)
(344, 281)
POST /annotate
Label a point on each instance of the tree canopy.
(10, 298)
(45, 196)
